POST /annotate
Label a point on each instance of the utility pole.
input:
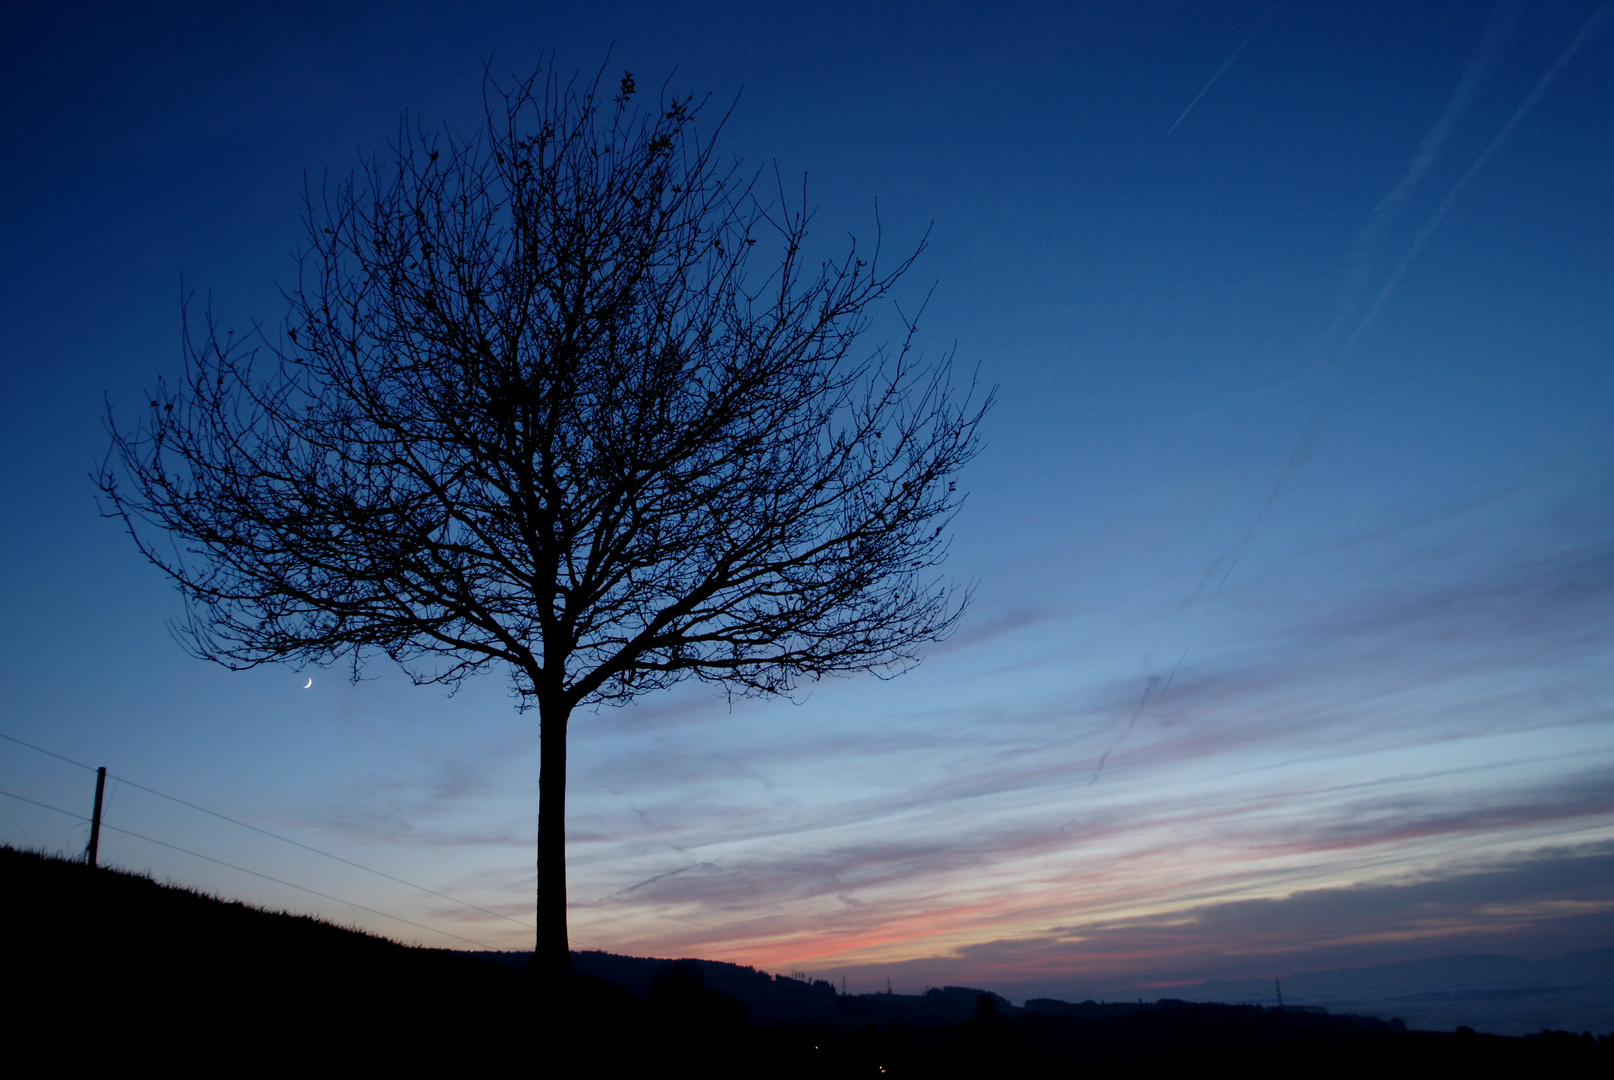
(95, 816)
(1278, 986)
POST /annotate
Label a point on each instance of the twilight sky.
(1293, 539)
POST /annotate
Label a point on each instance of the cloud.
(979, 630)
(1377, 819)
(1541, 903)
(1439, 615)
(1331, 727)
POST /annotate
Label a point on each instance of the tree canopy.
(567, 398)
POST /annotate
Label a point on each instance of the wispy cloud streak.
(1542, 900)
(1344, 735)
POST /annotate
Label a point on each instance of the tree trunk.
(552, 956)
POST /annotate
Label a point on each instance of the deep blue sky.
(1300, 524)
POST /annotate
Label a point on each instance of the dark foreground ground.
(113, 969)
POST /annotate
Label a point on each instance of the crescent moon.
(307, 684)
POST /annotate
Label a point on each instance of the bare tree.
(533, 408)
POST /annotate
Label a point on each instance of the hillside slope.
(100, 965)
(101, 957)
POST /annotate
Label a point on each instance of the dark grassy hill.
(113, 968)
(110, 959)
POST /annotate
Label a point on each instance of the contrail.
(1498, 28)
(1593, 24)
(661, 877)
(1149, 693)
(1364, 249)
(1225, 65)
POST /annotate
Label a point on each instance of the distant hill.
(775, 999)
(1504, 995)
(111, 969)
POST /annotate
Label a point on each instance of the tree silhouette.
(532, 407)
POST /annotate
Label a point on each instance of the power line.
(47, 753)
(273, 836)
(317, 851)
(254, 873)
